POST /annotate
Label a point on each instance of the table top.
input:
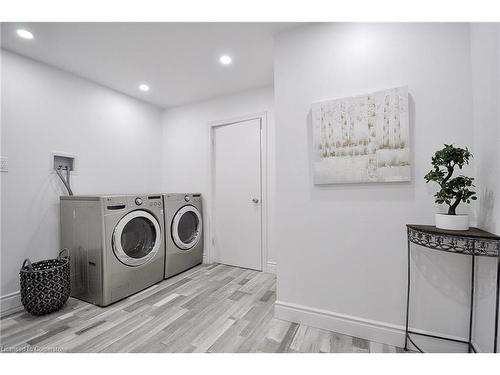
(472, 232)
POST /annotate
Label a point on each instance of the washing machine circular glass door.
(136, 238)
(186, 227)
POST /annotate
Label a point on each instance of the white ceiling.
(179, 61)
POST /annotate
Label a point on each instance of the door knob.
(255, 200)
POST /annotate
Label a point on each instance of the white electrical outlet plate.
(4, 164)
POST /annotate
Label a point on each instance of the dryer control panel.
(185, 197)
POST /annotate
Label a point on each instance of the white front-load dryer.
(184, 232)
(115, 243)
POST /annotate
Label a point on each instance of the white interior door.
(237, 190)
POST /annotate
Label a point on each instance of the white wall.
(341, 249)
(485, 54)
(186, 142)
(115, 138)
(1, 173)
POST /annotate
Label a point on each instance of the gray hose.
(66, 183)
(68, 180)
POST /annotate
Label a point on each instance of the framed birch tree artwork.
(364, 138)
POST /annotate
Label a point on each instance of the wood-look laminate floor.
(210, 308)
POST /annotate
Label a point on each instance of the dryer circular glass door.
(136, 238)
(186, 227)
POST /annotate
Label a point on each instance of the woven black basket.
(45, 285)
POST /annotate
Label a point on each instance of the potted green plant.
(453, 190)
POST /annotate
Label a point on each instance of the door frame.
(212, 125)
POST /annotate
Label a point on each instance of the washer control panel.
(155, 201)
(119, 203)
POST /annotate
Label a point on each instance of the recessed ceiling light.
(143, 87)
(25, 34)
(225, 60)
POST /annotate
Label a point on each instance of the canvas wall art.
(364, 138)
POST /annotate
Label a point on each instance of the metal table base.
(473, 242)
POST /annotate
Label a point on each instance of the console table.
(473, 242)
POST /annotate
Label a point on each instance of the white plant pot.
(452, 222)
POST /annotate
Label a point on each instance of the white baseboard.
(205, 259)
(386, 333)
(271, 267)
(348, 325)
(10, 302)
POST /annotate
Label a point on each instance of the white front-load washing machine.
(115, 243)
(184, 232)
